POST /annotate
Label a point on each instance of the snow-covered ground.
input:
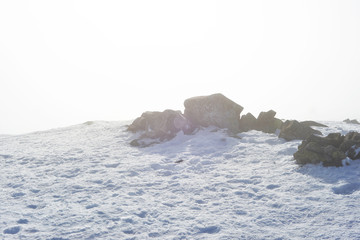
(86, 182)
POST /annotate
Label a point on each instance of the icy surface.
(86, 182)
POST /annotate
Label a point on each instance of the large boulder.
(330, 150)
(214, 110)
(159, 125)
(292, 130)
(247, 122)
(266, 122)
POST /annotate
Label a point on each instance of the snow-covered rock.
(158, 126)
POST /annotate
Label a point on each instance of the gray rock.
(159, 125)
(247, 122)
(312, 124)
(354, 152)
(292, 130)
(329, 150)
(351, 140)
(354, 121)
(266, 122)
(214, 110)
(323, 150)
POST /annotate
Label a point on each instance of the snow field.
(86, 182)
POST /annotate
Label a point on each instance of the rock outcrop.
(159, 125)
(214, 110)
(266, 122)
(219, 111)
(330, 150)
(354, 121)
(292, 129)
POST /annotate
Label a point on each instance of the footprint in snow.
(32, 206)
(5, 156)
(141, 214)
(346, 189)
(18, 195)
(32, 230)
(154, 234)
(129, 231)
(272, 186)
(129, 220)
(35, 190)
(240, 212)
(112, 165)
(13, 185)
(22, 221)
(209, 230)
(91, 206)
(12, 230)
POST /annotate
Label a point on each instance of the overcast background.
(67, 62)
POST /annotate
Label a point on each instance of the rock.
(323, 150)
(266, 116)
(266, 122)
(315, 153)
(292, 130)
(354, 152)
(214, 110)
(312, 124)
(159, 125)
(334, 139)
(354, 121)
(305, 156)
(247, 122)
(333, 156)
(350, 140)
(330, 150)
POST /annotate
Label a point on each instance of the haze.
(67, 62)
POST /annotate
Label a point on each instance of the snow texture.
(87, 182)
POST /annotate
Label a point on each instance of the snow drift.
(87, 182)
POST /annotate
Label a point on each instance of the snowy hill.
(87, 182)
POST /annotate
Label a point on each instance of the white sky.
(67, 62)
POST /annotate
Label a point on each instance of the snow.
(87, 182)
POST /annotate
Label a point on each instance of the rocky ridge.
(219, 111)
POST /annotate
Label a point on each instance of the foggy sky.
(67, 62)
